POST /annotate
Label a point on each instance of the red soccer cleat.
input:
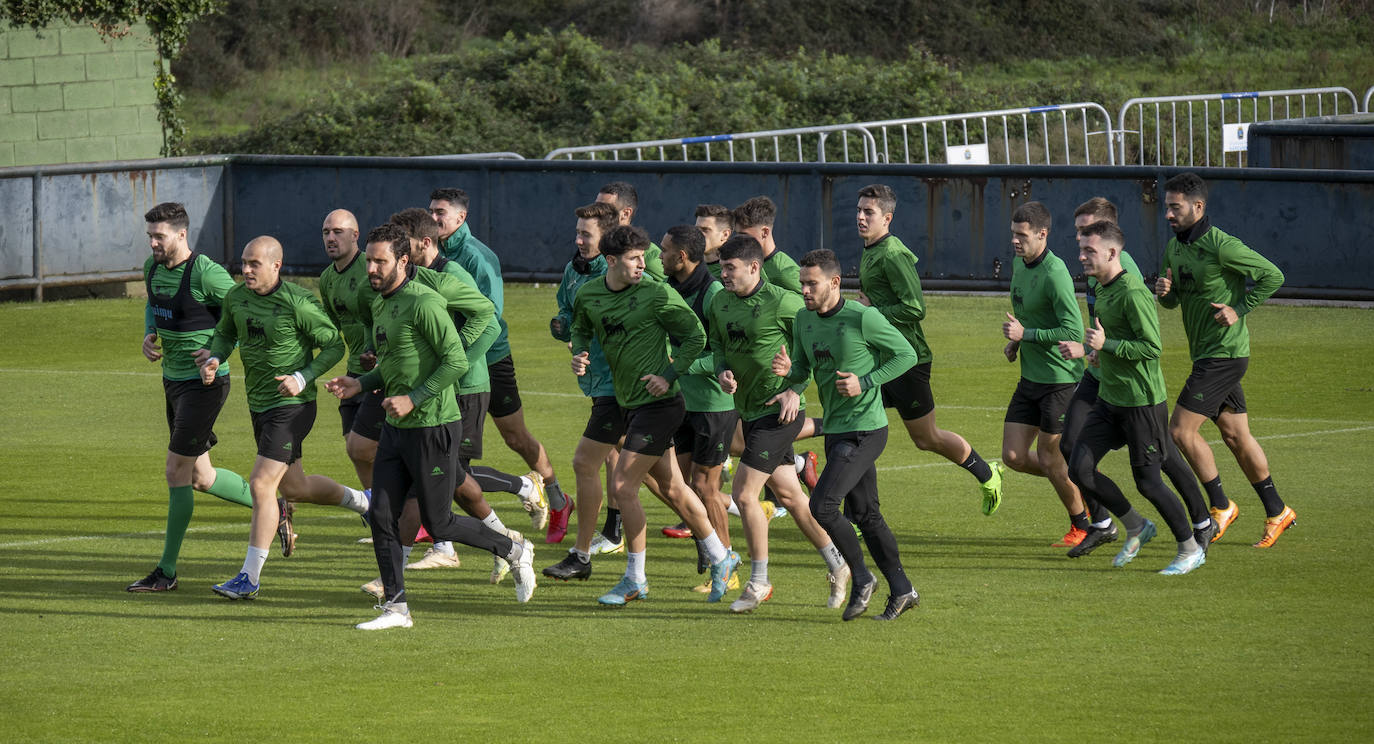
(423, 535)
(808, 473)
(558, 521)
(678, 531)
(1071, 538)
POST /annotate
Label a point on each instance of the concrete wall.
(67, 95)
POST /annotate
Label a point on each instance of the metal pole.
(37, 237)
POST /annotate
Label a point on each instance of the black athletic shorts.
(192, 408)
(362, 414)
(910, 393)
(1084, 397)
(706, 435)
(473, 408)
(768, 442)
(1213, 386)
(607, 422)
(1144, 430)
(280, 432)
(649, 428)
(505, 394)
(1042, 405)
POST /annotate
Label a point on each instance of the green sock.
(230, 486)
(180, 503)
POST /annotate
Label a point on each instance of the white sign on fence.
(1234, 137)
(967, 155)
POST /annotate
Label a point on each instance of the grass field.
(1012, 642)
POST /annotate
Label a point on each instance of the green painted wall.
(69, 96)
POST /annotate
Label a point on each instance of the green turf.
(1012, 641)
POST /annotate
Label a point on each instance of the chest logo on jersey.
(610, 328)
(352, 283)
(380, 336)
(1186, 279)
(820, 353)
(257, 333)
(339, 306)
(1017, 299)
(735, 337)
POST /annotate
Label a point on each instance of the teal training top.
(850, 338)
(1043, 300)
(597, 382)
(1212, 266)
(277, 334)
(479, 260)
(209, 283)
(888, 277)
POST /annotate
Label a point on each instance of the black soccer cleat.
(859, 595)
(571, 567)
(897, 605)
(157, 581)
(1206, 535)
(1096, 536)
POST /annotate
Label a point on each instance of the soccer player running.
(850, 350)
(276, 326)
(449, 207)
(750, 323)
(1130, 408)
(1205, 271)
(1044, 312)
(1098, 209)
(185, 294)
(632, 318)
(890, 283)
(715, 223)
(625, 198)
(606, 424)
(755, 218)
(419, 360)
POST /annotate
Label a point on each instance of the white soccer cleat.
(435, 559)
(390, 618)
(839, 587)
(754, 595)
(523, 571)
(499, 568)
(537, 504)
(602, 546)
(375, 588)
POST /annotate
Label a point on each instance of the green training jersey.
(1130, 355)
(419, 354)
(345, 294)
(207, 285)
(782, 271)
(1213, 267)
(653, 262)
(1131, 268)
(1042, 299)
(597, 383)
(850, 338)
(888, 277)
(634, 325)
(471, 311)
(700, 387)
(277, 334)
(746, 332)
(479, 260)
(714, 268)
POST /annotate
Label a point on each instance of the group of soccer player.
(694, 350)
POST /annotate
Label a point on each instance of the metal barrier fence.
(1175, 133)
(1368, 96)
(775, 140)
(1052, 134)
(1063, 130)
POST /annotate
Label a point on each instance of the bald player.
(277, 326)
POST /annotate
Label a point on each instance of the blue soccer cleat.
(720, 575)
(1184, 563)
(624, 592)
(1132, 546)
(238, 587)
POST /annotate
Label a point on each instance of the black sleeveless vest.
(181, 312)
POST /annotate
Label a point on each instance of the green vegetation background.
(374, 77)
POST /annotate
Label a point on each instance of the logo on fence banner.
(1236, 137)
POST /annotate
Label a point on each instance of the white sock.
(494, 522)
(715, 549)
(758, 571)
(252, 563)
(634, 567)
(526, 487)
(400, 608)
(1187, 547)
(833, 560)
(799, 463)
(1104, 524)
(405, 552)
(354, 500)
(444, 547)
(733, 508)
(1203, 524)
(583, 555)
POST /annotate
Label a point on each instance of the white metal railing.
(809, 142)
(1368, 96)
(1049, 135)
(1177, 129)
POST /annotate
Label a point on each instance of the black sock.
(1097, 512)
(819, 425)
(611, 531)
(556, 498)
(1269, 496)
(492, 480)
(1080, 520)
(977, 466)
(1215, 496)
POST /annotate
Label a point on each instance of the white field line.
(223, 527)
